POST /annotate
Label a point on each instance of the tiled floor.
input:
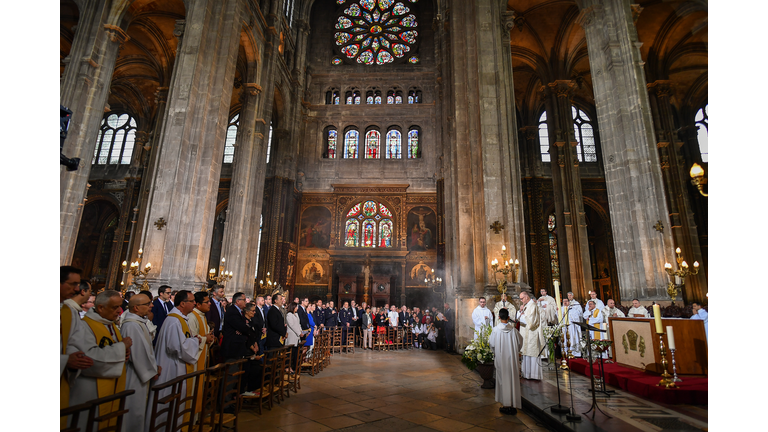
(392, 391)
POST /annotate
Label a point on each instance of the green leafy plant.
(479, 350)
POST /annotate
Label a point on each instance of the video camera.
(65, 117)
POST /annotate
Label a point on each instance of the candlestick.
(657, 318)
(558, 302)
(674, 368)
(670, 338)
(666, 379)
(563, 361)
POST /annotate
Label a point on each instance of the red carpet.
(692, 391)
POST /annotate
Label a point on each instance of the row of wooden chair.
(395, 338)
(88, 409)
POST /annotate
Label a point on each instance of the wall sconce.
(698, 179)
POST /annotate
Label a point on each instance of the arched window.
(374, 32)
(369, 224)
(289, 11)
(114, 145)
(269, 143)
(394, 144)
(377, 97)
(332, 97)
(353, 97)
(544, 138)
(553, 259)
(398, 97)
(702, 125)
(373, 97)
(390, 97)
(369, 98)
(372, 144)
(585, 136)
(229, 144)
(331, 138)
(350, 144)
(414, 96)
(413, 143)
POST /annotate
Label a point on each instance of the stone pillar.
(84, 90)
(573, 244)
(483, 167)
(402, 283)
(184, 189)
(329, 295)
(676, 180)
(632, 169)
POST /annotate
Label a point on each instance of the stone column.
(402, 282)
(483, 168)
(185, 187)
(329, 295)
(676, 179)
(573, 244)
(84, 90)
(632, 169)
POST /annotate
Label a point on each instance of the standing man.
(101, 341)
(276, 328)
(198, 326)
(575, 304)
(505, 341)
(81, 296)
(481, 316)
(162, 306)
(141, 367)
(236, 331)
(700, 314)
(548, 308)
(367, 323)
(331, 316)
(345, 317)
(69, 361)
(88, 305)
(319, 315)
(573, 332)
(594, 318)
(610, 311)
(503, 304)
(215, 313)
(598, 303)
(259, 324)
(303, 314)
(637, 310)
(533, 336)
(393, 316)
(450, 320)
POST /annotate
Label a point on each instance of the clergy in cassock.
(141, 367)
(481, 316)
(548, 308)
(198, 326)
(503, 304)
(610, 311)
(505, 341)
(100, 339)
(572, 334)
(594, 317)
(176, 350)
(637, 310)
(70, 362)
(533, 336)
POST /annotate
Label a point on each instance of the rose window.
(375, 31)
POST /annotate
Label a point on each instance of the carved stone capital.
(508, 21)
(161, 94)
(636, 9)
(663, 88)
(178, 29)
(116, 34)
(590, 15)
(253, 88)
(562, 88)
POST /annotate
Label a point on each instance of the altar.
(636, 345)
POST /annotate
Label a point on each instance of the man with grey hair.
(101, 341)
(533, 336)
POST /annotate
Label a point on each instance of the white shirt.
(393, 318)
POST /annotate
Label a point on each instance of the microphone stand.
(559, 408)
(594, 406)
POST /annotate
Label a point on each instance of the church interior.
(388, 151)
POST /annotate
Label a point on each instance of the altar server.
(573, 332)
(505, 341)
(481, 316)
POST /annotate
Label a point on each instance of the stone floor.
(393, 391)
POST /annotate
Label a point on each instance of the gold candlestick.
(563, 361)
(135, 270)
(666, 378)
(223, 276)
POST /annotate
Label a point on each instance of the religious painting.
(351, 233)
(420, 271)
(315, 228)
(385, 235)
(369, 208)
(421, 229)
(369, 233)
(312, 272)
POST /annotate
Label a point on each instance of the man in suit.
(216, 313)
(303, 315)
(404, 319)
(275, 324)
(319, 315)
(449, 327)
(161, 306)
(235, 330)
(345, 317)
(259, 324)
(331, 316)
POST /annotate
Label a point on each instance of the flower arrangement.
(550, 334)
(478, 350)
(598, 347)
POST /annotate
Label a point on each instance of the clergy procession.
(146, 363)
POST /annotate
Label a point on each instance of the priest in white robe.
(637, 310)
(100, 339)
(70, 363)
(481, 316)
(548, 308)
(533, 336)
(141, 367)
(198, 326)
(610, 311)
(598, 303)
(594, 317)
(176, 350)
(503, 304)
(572, 333)
(505, 341)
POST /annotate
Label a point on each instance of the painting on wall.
(421, 229)
(315, 228)
(312, 272)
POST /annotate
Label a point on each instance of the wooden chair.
(285, 361)
(392, 337)
(399, 336)
(162, 409)
(327, 350)
(408, 338)
(380, 341)
(349, 344)
(311, 363)
(99, 423)
(294, 381)
(209, 404)
(233, 376)
(336, 340)
(263, 395)
(185, 407)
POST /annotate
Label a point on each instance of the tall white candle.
(670, 338)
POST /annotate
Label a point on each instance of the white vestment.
(574, 331)
(599, 305)
(505, 341)
(610, 313)
(173, 351)
(499, 306)
(641, 311)
(595, 319)
(704, 316)
(108, 362)
(480, 316)
(74, 310)
(548, 310)
(533, 339)
(139, 370)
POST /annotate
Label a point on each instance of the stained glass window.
(369, 224)
(114, 145)
(585, 136)
(702, 126)
(375, 31)
(414, 96)
(332, 136)
(385, 233)
(354, 211)
(369, 208)
(269, 142)
(398, 98)
(383, 210)
(369, 233)
(413, 144)
(352, 233)
(393, 144)
(350, 144)
(544, 138)
(372, 144)
(229, 144)
(332, 97)
(553, 259)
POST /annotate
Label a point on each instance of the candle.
(657, 318)
(670, 338)
(503, 248)
(558, 302)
